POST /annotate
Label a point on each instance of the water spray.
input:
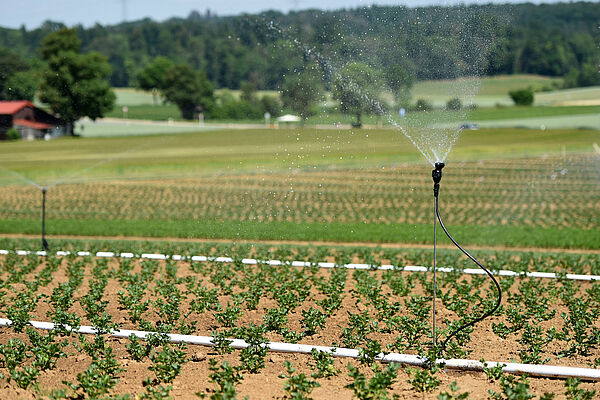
(44, 242)
(436, 174)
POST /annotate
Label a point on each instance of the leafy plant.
(574, 392)
(323, 366)
(298, 386)
(375, 388)
(453, 395)
(424, 379)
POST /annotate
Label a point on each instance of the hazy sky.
(32, 13)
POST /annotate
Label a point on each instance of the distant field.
(136, 97)
(104, 128)
(502, 186)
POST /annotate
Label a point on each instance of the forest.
(429, 43)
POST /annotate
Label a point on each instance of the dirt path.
(303, 243)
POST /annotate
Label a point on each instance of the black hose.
(485, 315)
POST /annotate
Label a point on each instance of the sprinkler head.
(436, 174)
(44, 189)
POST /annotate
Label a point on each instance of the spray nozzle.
(44, 189)
(436, 174)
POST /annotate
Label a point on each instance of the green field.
(307, 184)
(571, 108)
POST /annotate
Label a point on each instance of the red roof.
(11, 107)
(32, 124)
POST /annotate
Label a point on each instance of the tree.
(10, 64)
(522, 97)
(248, 92)
(74, 85)
(301, 91)
(190, 90)
(400, 80)
(358, 88)
(151, 76)
(21, 86)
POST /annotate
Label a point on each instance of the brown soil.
(267, 384)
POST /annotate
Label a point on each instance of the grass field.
(308, 185)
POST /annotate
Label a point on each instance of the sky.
(32, 13)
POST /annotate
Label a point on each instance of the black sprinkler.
(44, 242)
(436, 174)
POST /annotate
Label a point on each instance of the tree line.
(430, 43)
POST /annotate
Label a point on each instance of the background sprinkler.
(44, 242)
(436, 174)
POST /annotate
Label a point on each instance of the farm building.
(31, 122)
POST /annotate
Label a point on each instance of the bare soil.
(267, 384)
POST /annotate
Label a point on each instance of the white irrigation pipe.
(252, 261)
(549, 371)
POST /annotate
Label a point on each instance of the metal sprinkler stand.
(436, 174)
(44, 242)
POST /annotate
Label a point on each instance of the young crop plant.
(454, 394)
(323, 366)
(579, 331)
(275, 320)
(14, 353)
(368, 353)
(132, 300)
(493, 373)
(155, 392)
(45, 350)
(360, 326)
(534, 341)
(574, 392)
(299, 386)
(228, 316)
(100, 377)
(226, 377)
(375, 388)
(512, 389)
(222, 343)
(423, 379)
(206, 299)
(19, 307)
(62, 300)
(167, 362)
(253, 356)
(312, 321)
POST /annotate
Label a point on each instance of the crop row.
(540, 321)
(546, 195)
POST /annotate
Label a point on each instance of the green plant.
(167, 363)
(522, 97)
(13, 134)
(155, 392)
(299, 386)
(375, 388)
(253, 356)
(423, 379)
(453, 395)
(574, 392)
(229, 315)
(512, 389)
(226, 377)
(312, 320)
(221, 343)
(323, 366)
(454, 104)
(46, 351)
(493, 373)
